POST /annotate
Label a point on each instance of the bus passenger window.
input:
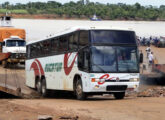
(46, 47)
(73, 41)
(83, 59)
(63, 46)
(55, 45)
(38, 49)
(28, 52)
(83, 41)
(33, 50)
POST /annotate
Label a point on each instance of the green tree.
(32, 11)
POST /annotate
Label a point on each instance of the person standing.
(151, 58)
(148, 49)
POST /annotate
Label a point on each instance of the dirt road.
(92, 109)
(159, 54)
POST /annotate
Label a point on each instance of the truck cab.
(15, 50)
(14, 44)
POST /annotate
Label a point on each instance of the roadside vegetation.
(86, 9)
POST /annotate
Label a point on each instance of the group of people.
(148, 41)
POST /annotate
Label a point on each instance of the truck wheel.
(79, 90)
(38, 86)
(44, 90)
(4, 64)
(119, 95)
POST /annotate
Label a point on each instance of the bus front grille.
(116, 87)
(116, 80)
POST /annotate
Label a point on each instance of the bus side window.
(28, 51)
(33, 51)
(73, 41)
(55, 45)
(86, 59)
(38, 49)
(83, 59)
(80, 59)
(46, 47)
(84, 38)
(63, 45)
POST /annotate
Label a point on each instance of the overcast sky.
(142, 2)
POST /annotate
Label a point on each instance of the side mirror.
(141, 58)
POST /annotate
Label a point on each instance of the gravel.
(153, 92)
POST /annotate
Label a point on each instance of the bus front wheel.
(119, 95)
(79, 90)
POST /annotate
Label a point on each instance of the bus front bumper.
(114, 87)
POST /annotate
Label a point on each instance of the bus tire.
(119, 95)
(44, 91)
(38, 86)
(79, 90)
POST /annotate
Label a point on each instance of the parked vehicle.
(161, 42)
(12, 45)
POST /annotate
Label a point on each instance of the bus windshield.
(15, 43)
(113, 37)
(114, 59)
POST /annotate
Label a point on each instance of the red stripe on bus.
(67, 68)
(40, 66)
(35, 68)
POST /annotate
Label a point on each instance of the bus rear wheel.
(79, 90)
(38, 86)
(44, 91)
(119, 95)
(4, 64)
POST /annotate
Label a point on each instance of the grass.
(19, 11)
(3, 11)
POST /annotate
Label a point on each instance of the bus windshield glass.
(114, 59)
(15, 43)
(113, 37)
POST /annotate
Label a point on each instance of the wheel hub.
(79, 89)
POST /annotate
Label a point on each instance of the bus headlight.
(97, 80)
(134, 79)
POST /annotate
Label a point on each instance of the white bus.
(85, 60)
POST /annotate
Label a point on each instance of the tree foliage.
(85, 8)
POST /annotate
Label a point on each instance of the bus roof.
(78, 28)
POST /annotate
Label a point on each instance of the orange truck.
(12, 46)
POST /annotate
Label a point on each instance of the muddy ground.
(92, 109)
(139, 106)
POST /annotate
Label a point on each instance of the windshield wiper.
(99, 67)
(83, 47)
